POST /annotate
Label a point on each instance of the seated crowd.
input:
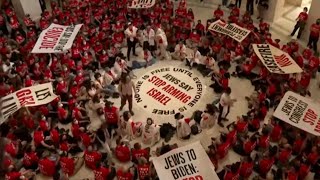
(86, 78)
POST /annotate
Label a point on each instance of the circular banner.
(168, 90)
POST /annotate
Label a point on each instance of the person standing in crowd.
(126, 89)
(43, 5)
(150, 40)
(131, 33)
(263, 5)
(224, 106)
(301, 22)
(250, 6)
(314, 35)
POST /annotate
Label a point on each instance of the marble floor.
(240, 89)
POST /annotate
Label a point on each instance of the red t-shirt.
(13, 175)
(111, 115)
(223, 149)
(303, 171)
(101, 173)
(124, 175)
(47, 167)
(75, 130)
(122, 153)
(265, 165)
(297, 145)
(264, 141)
(38, 137)
(54, 136)
(232, 137)
(143, 171)
(305, 80)
(284, 156)
(30, 159)
(241, 126)
(11, 149)
(246, 169)
(313, 157)
(276, 133)
(314, 63)
(249, 146)
(91, 158)
(67, 165)
(315, 30)
(218, 13)
(138, 153)
(303, 16)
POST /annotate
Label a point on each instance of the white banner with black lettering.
(56, 39)
(299, 111)
(189, 162)
(29, 96)
(230, 29)
(276, 60)
(138, 4)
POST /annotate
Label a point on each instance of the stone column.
(314, 14)
(24, 7)
(275, 10)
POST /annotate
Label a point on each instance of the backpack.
(197, 116)
(194, 129)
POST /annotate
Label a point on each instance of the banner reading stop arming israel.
(56, 39)
(230, 29)
(276, 60)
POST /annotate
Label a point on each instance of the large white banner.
(230, 29)
(190, 162)
(138, 4)
(56, 39)
(29, 96)
(299, 111)
(276, 60)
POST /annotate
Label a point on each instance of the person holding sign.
(131, 33)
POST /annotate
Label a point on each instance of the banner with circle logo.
(168, 90)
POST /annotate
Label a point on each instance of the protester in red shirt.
(246, 167)
(124, 175)
(301, 22)
(314, 36)
(47, 165)
(91, 157)
(112, 116)
(122, 152)
(137, 152)
(218, 13)
(30, 158)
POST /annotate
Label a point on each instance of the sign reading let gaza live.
(168, 90)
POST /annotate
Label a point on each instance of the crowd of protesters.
(94, 72)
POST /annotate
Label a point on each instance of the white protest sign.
(138, 4)
(230, 29)
(189, 162)
(56, 39)
(29, 96)
(299, 111)
(276, 60)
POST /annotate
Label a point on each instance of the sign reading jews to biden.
(168, 90)
(189, 162)
(299, 111)
(56, 39)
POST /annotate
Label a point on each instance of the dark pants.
(300, 25)
(238, 3)
(131, 45)
(189, 64)
(313, 41)
(124, 99)
(110, 127)
(42, 5)
(4, 30)
(250, 6)
(221, 111)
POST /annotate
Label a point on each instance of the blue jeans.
(109, 89)
(138, 65)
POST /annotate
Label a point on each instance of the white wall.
(275, 10)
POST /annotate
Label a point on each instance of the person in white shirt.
(207, 66)
(131, 34)
(150, 34)
(208, 118)
(194, 58)
(145, 59)
(224, 106)
(180, 52)
(150, 133)
(183, 128)
(162, 42)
